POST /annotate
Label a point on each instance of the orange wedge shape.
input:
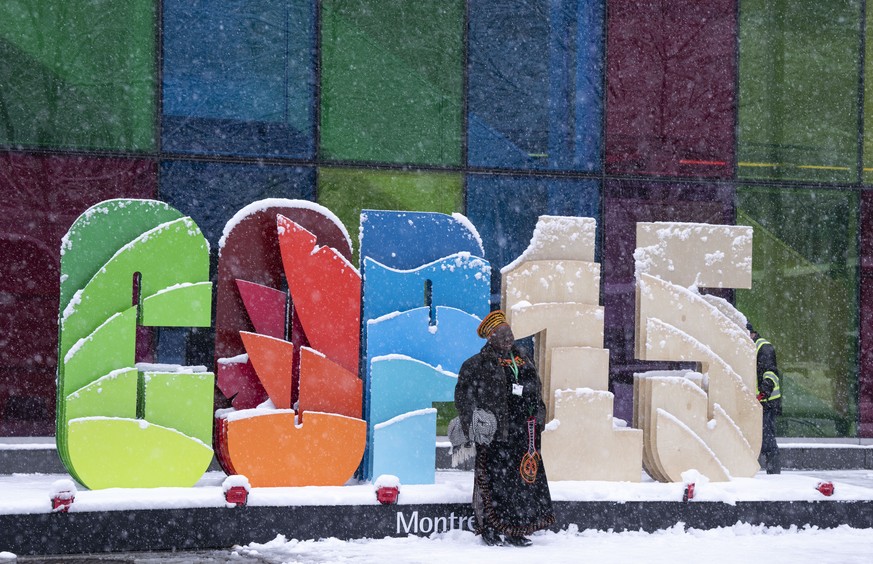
(326, 386)
(273, 360)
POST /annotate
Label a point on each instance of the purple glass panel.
(626, 203)
(42, 196)
(671, 80)
(865, 370)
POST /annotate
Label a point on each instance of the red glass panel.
(42, 196)
(671, 79)
(865, 370)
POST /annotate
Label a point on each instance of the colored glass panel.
(804, 299)
(671, 76)
(346, 192)
(867, 162)
(78, 74)
(238, 77)
(865, 373)
(535, 84)
(798, 90)
(42, 196)
(505, 210)
(211, 193)
(391, 81)
(625, 203)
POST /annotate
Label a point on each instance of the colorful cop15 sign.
(288, 345)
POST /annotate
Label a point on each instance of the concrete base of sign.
(221, 528)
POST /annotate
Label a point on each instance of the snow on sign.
(709, 421)
(331, 371)
(426, 290)
(127, 263)
(553, 289)
(296, 416)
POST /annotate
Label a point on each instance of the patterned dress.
(511, 491)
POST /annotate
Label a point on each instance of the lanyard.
(514, 367)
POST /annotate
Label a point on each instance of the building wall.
(753, 112)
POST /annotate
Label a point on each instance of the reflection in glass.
(798, 90)
(238, 77)
(671, 81)
(391, 81)
(78, 74)
(535, 75)
(804, 300)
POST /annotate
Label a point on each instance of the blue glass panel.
(211, 193)
(535, 84)
(505, 209)
(238, 77)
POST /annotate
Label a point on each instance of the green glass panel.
(392, 74)
(348, 191)
(180, 401)
(78, 74)
(798, 83)
(868, 96)
(804, 300)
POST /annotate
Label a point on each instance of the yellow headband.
(491, 322)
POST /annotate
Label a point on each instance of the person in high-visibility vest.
(770, 395)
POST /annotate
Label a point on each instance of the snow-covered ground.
(27, 493)
(742, 542)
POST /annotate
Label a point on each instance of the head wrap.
(491, 322)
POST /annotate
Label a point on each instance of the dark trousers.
(769, 448)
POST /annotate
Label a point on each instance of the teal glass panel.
(804, 299)
(391, 81)
(798, 103)
(78, 74)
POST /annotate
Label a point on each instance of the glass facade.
(670, 101)
(749, 112)
(798, 88)
(805, 290)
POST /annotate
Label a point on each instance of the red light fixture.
(826, 488)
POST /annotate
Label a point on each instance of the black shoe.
(518, 541)
(491, 538)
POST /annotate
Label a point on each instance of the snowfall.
(30, 493)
